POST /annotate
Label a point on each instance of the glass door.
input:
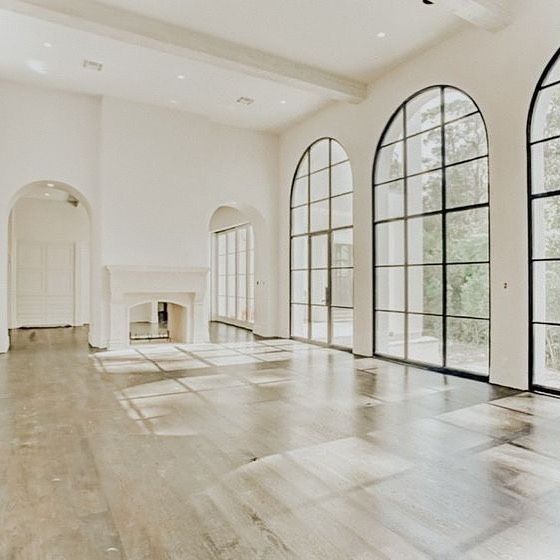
(319, 328)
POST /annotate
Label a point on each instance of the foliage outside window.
(431, 229)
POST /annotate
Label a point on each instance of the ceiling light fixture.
(181, 77)
(283, 102)
(50, 185)
(47, 45)
(47, 194)
(382, 34)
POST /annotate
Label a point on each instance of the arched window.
(544, 201)
(321, 300)
(431, 226)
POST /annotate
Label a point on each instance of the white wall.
(500, 71)
(151, 179)
(54, 222)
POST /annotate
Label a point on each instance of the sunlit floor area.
(216, 451)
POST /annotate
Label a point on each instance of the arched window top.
(322, 155)
(431, 218)
(544, 228)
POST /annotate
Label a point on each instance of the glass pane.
(222, 264)
(299, 287)
(222, 308)
(242, 239)
(303, 168)
(231, 263)
(389, 164)
(424, 193)
(425, 289)
(299, 220)
(546, 356)
(338, 153)
(425, 339)
(319, 216)
(342, 287)
(389, 334)
(395, 131)
(319, 324)
(342, 248)
(241, 309)
(545, 166)
(242, 286)
(468, 290)
(242, 263)
(319, 287)
(341, 208)
(222, 245)
(299, 252)
(231, 241)
(231, 286)
(299, 192)
(424, 152)
(468, 345)
(231, 307)
(251, 287)
(546, 116)
(546, 228)
(342, 327)
(319, 155)
(341, 178)
(553, 75)
(389, 288)
(546, 292)
(467, 183)
(467, 235)
(320, 251)
(424, 240)
(389, 201)
(300, 321)
(319, 185)
(389, 243)
(222, 285)
(457, 104)
(423, 111)
(465, 139)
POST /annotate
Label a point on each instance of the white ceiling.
(333, 35)
(339, 36)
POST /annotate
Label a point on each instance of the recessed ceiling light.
(181, 77)
(93, 65)
(173, 102)
(283, 102)
(47, 44)
(47, 194)
(50, 184)
(382, 34)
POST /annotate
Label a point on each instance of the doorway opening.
(49, 258)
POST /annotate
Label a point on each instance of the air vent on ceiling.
(245, 101)
(93, 65)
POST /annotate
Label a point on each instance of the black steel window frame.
(443, 212)
(532, 197)
(309, 236)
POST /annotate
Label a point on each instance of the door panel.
(45, 284)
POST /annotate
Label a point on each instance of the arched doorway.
(49, 257)
(233, 268)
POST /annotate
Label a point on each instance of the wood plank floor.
(273, 450)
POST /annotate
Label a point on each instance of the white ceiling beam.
(492, 15)
(129, 27)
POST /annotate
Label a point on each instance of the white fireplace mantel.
(184, 288)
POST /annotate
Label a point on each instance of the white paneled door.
(45, 284)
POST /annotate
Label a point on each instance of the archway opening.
(149, 322)
(49, 264)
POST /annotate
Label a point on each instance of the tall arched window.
(431, 229)
(544, 201)
(321, 300)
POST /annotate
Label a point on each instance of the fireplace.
(184, 289)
